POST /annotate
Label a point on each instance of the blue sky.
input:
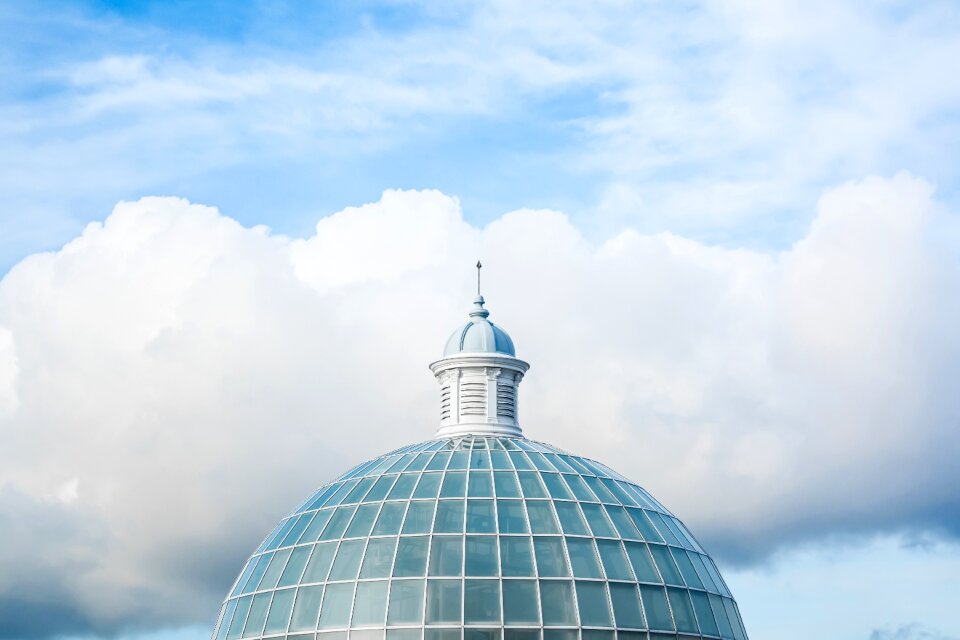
(748, 210)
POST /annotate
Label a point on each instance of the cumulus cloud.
(173, 382)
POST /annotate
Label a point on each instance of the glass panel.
(649, 533)
(279, 611)
(506, 485)
(579, 488)
(551, 561)
(225, 620)
(316, 526)
(257, 615)
(708, 626)
(449, 516)
(378, 558)
(560, 634)
(583, 559)
(257, 573)
(419, 462)
(297, 530)
(481, 601)
(721, 616)
(481, 485)
(541, 517)
(390, 519)
(446, 556)
(480, 459)
(663, 528)
(459, 460)
(558, 462)
(419, 517)
(404, 487)
(682, 611)
(531, 485)
(243, 607)
(642, 562)
(380, 489)
(556, 486)
(319, 563)
(601, 491)
(655, 605)
(516, 557)
(480, 516)
(500, 460)
(454, 485)
(404, 634)
(686, 568)
(701, 568)
(617, 490)
(669, 571)
(406, 602)
(441, 634)
(298, 559)
(481, 634)
(439, 461)
(362, 487)
(336, 605)
(556, 599)
(411, 557)
(570, 519)
(712, 569)
(511, 517)
(614, 561)
(734, 617)
(370, 604)
(598, 634)
(597, 519)
(338, 523)
(444, 599)
(520, 461)
(623, 523)
(626, 606)
(273, 572)
(428, 487)
(592, 602)
(539, 461)
(481, 556)
(306, 609)
(347, 564)
(520, 605)
(363, 521)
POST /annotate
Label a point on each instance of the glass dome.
(480, 538)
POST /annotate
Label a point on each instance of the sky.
(724, 233)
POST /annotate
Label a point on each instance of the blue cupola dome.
(479, 335)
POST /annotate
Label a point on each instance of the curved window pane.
(701, 605)
(625, 526)
(291, 573)
(556, 486)
(380, 488)
(273, 572)
(655, 605)
(444, 599)
(370, 604)
(520, 605)
(336, 605)
(481, 601)
(531, 485)
(686, 568)
(390, 519)
(626, 606)
(516, 556)
(614, 561)
(482, 556)
(428, 487)
(347, 563)
(583, 558)
(363, 521)
(306, 609)
(419, 517)
(316, 526)
(403, 488)
(480, 516)
(541, 517)
(378, 558)
(449, 516)
(682, 611)
(721, 616)
(338, 523)
(642, 562)
(592, 602)
(446, 556)
(243, 607)
(550, 558)
(598, 521)
(481, 485)
(510, 516)
(454, 485)
(257, 615)
(643, 523)
(664, 560)
(411, 557)
(505, 483)
(406, 602)
(279, 612)
(556, 599)
(570, 519)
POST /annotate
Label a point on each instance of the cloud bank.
(172, 382)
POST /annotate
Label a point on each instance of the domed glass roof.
(480, 538)
(479, 335)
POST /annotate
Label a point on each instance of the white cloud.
(196, 378)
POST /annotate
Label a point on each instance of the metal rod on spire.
(479, 266)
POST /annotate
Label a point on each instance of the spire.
(479, 375)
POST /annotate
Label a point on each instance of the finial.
(479, 266)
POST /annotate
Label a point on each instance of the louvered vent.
(506, 399)
(473, 399)
(445, 403)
